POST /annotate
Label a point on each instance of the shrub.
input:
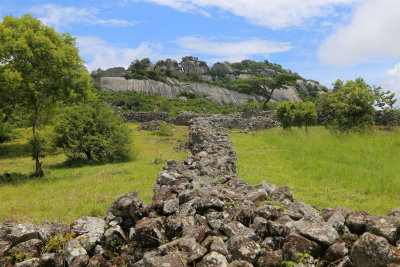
(91, 131)
(285, 113)
(6, 132)
(296, 114)
(164, 129)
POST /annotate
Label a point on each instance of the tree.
(285, 113)
(385, 100)
(39, 67)
(296, 114)
(266, 86)
(350, 106)
(91, 131)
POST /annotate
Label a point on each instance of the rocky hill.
(169, 79)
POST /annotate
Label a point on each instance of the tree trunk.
(36, 148)
(264, 107)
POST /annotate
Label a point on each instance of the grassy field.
(66, 193)
(323, 168)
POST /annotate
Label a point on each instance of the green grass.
(323, 168)
(66, 193)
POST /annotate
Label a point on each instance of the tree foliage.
(38, 67)
(349, 106)
(296, 114)
(91, 131)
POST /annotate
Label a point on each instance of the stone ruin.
(203, 214)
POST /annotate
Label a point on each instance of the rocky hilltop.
(119, 79)
(203, 214)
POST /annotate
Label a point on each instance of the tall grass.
(359, 171)
(66, 193)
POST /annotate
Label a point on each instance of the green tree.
(38, 68)
(305, 114)
(266, 86)
(91, 131)
(349, 106)
(285, 113)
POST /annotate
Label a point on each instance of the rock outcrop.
(203, 214)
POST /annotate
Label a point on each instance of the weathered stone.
(372, 251)
(150, 232)
(385, 226)
(187, 247)
(73, 250)
(171, 206)
(30, 248)
(273, 242)
(23, 232)
(299, 209)
(267, 212)
(197, 232)
(214, 259)
(295, 244)
(267, 259)
(337, 221)
(172, 259)
(232, 228)
(225, 68)
(282, 194)
(219, 246)
(239, 263)
(318, 231)
(49, 229)
(97, 261)
(356, 221)
(260, 227)
(47, 260)
(4, 246)
(88, 230)
(278, 229)
(327, 213)
(80, 261)
(394, 212)
(336, 252)
(29, 263)
(268, 187)
(243, 248)
(114, 236)
(256, 196)
(127, 205)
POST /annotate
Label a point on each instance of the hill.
(218, 84)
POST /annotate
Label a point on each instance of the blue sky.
(320, 39)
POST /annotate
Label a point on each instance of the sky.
(323, 40)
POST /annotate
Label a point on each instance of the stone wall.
(203, 214)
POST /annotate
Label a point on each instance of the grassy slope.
(326, 169)
(65, 194)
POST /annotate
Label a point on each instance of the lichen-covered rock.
(97, 261)
(232, 228)
(153, 259)
(214, 259)
(243, 248)
(373, 251)
(80, 261)
(88, 230)
(219, 246)
(267, 258)
(171, 206)
(23, 232)
(188, 248)
(337, 221)
(296, 245)
(260, 227)
(73, 250)
(49, 229)
(318, 231)
(29, 263)
(47, 260)
(239, 263)
(385, 226)
(267, 212)
(336, 252)
(356, 221)
(299, 209)
(150, 232)
(31, 248)
(127, 205)
(282, 194)
(394, 212)
(114, 236)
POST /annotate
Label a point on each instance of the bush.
(91, 131)
(164, 129)
(285, 113)
(6, 132)
(296, 114)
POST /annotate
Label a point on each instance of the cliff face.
(217, 95)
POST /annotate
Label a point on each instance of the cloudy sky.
(320, 39)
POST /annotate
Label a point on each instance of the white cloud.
(100, 54)
(275, 14)
(373, 33)
(62, 16)
(392, 81)
(233, 51)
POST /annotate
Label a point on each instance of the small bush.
(6, 132)
(164, 129)
(91, 131)
(296, 114)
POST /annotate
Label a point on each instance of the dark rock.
(356, 221)
(260, 227)
(114, 236)
(371, 251)
(97, 261)
(188, 248)
(327, 213)
(80, 261)
(197, 232)
(267, 259)
(219, 246)
(295, 244)
(336, 252)
(30, 248)
(267, 212)
(29, 263)
(337, 221)
(243, 248)
(47, 260)
(283, 194)
(214, 259)
(150, 232)
(385, 226)
(394, 212)
(49, 229)
(153, 259)
(127, 205)
(278, 229)
(232, 228)
(239, 263)
(299, 209)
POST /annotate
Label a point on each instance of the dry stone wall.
(203, 214)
